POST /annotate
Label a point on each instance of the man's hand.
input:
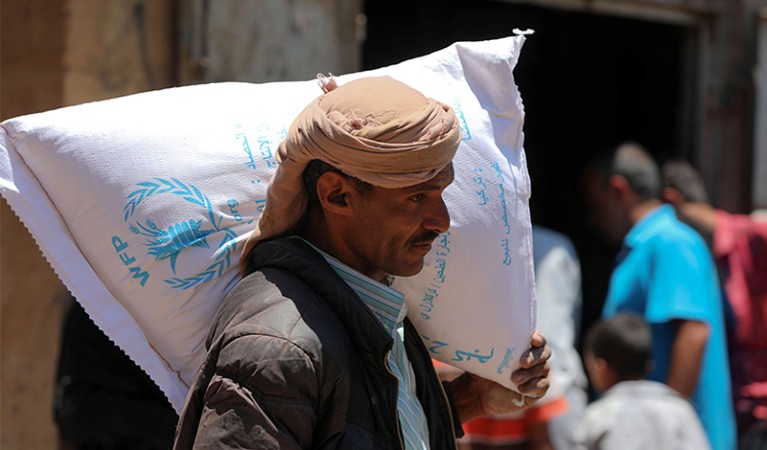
(474, 396)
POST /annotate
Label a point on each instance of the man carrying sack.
(312, 348)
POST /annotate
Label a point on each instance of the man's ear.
(619, 186)
(600, 373)
(333, 191)
(673, 196)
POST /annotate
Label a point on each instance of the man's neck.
(318, 233)
(315, 231)
(641, 209)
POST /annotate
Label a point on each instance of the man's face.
(605, 210)
(393, 229)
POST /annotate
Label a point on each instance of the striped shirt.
(388, 305)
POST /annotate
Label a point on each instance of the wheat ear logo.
(167, 243)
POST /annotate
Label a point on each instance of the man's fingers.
(535, 356)
(521, 376)
(538, 339)
(535, 388)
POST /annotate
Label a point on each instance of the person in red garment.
(739, 245)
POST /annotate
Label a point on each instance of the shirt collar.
(635, 235)
(386, 303)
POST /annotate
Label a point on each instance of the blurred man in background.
(665, 273)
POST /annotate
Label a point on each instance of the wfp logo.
(167, 243)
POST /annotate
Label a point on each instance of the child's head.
(617, 349)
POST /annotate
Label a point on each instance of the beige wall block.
(30, 310)
(269, 40)
(117, 47)
(57, 53)
(31, 45)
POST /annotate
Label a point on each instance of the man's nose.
(438, 219)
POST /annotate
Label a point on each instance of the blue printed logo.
(166, 243)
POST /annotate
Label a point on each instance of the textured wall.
(268, 40)
(32, 53)
(57, 53)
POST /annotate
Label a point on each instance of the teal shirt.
(666, 272)
(389, 307)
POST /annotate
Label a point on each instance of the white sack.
(139, 202)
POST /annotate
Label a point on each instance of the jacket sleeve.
(457, 426)
(263, 394)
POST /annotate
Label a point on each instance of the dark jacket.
(296, 360)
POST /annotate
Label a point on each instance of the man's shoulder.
(273, 317)
(665, 226)
(274, 304)
(276, 288)
(669, 235)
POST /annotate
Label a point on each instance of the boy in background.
(633, 412)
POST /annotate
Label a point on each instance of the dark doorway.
(587, 82)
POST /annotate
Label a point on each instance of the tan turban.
(376, 129)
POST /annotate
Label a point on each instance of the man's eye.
(417, 197)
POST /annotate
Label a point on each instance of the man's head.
(684, 189)
(682, 183)
(348, 156)
(378, 231)
(617, 349)
(620, 185)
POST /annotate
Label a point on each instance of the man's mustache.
(426, 238)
